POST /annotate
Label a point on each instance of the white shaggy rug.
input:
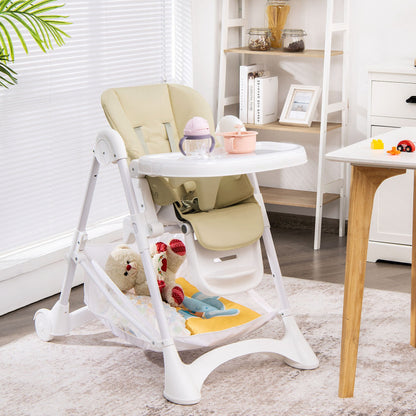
(92, 373)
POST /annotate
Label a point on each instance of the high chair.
(213, 203)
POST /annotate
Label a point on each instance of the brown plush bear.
(125, 269)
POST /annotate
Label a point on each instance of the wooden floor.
(297, 259)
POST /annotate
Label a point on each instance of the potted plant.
(34, 18)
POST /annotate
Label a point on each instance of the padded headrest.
(148, 109)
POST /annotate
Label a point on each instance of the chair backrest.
(145, 116)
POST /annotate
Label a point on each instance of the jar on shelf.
(276, 15)
(293, 40)
(259, 39)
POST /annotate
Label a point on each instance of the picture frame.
(300, 105)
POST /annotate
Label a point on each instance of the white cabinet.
(391, 224)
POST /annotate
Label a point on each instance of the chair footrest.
(226, 272)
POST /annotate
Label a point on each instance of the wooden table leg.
(364, 183)
(413, 287)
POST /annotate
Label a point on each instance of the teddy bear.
(125, 269)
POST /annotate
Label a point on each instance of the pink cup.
(240, 142)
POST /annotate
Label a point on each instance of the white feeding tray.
(267, 156)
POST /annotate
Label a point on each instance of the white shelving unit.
(290, 197)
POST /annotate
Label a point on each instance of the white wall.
(381, 33)
(206, 26)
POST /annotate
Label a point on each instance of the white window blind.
(182, 42)
(48, 122)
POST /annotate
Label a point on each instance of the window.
(50, 119)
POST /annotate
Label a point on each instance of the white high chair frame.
(183, 382)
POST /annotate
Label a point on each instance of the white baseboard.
(388, 251)
(33, 286)
(35, 273)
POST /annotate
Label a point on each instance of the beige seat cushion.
(228, 228)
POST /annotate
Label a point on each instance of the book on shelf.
(265, 107)
(245, 70)
(251, 99)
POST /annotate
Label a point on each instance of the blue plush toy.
(204, 306)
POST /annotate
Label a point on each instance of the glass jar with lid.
(276, 15)
(259, 39)
(293, 40)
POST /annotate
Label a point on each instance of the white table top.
(360, 153)
(402, 67)
(267, 156)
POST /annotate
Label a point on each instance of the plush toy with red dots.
(125, 269)
(167, 258)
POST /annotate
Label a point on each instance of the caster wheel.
(43, 324)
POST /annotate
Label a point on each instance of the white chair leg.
(57, 321)
(302, 355)
(140, 230)
(293, 340)
(183, 382)
(180, 386)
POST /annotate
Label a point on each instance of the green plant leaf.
(40, 4)
(7, 77)
(6, 41)
(35, 18)
(3, 4)
(32, 28)
(17, 31)
(31, 15)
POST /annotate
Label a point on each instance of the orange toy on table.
(394, 151)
